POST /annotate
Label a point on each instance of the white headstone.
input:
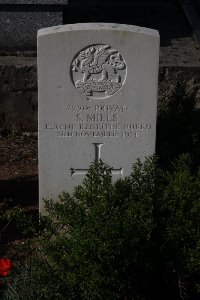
(97, 99)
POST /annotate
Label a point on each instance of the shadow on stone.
(153, 14)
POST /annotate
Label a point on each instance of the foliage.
(138, 238)
(178, 123)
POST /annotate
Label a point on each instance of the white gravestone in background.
(97, 99)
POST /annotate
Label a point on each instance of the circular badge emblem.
(98, 71)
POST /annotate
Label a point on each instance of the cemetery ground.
(19, 156)
(18, 179)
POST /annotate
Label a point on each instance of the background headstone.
(97, 99)
(20, 20)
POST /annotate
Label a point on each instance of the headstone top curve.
(98, 26)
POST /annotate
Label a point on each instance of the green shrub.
(138, 238)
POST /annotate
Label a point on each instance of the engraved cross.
(97, 157)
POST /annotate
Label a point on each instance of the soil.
(18, 157)
(19, 171)
(18, 183)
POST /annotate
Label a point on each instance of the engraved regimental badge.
(98, 71)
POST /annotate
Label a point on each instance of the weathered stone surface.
(97, 99)
(18, 94)
(20, 20)
(19, 28)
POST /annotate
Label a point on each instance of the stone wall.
(18, 94)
